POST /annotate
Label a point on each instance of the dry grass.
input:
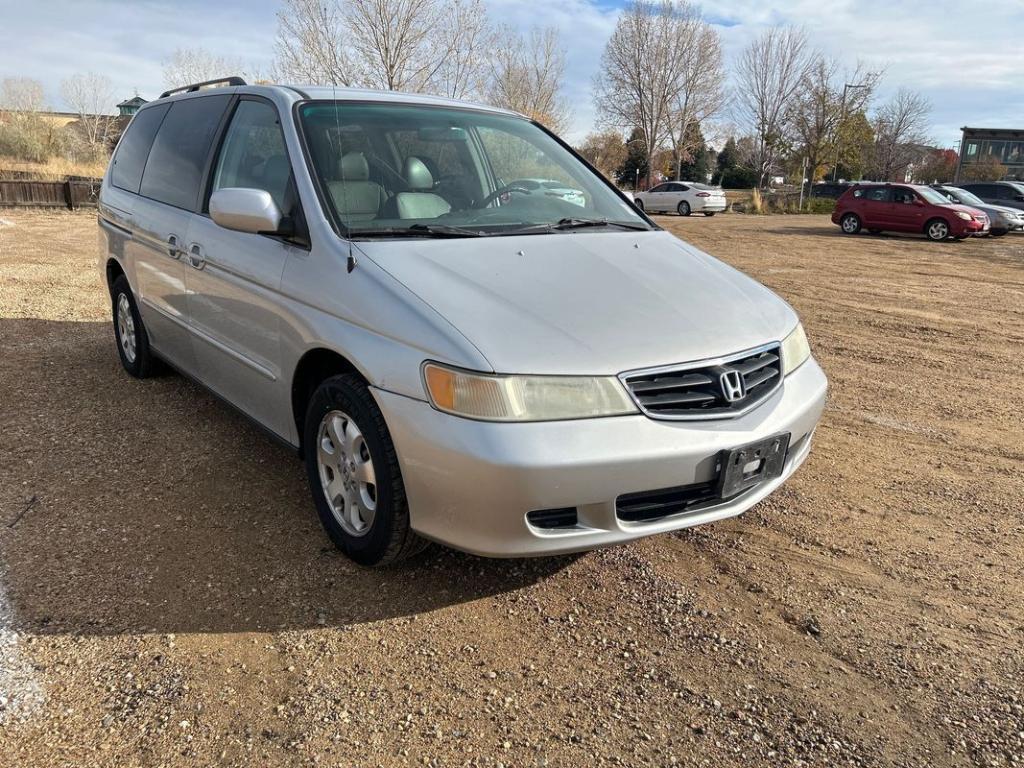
(54, 169)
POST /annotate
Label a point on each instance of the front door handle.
(195, 256)
(172, 247)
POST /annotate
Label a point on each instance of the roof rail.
(233, 80)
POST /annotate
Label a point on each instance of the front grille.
(652, 505)
(697, 391)
(563, 517)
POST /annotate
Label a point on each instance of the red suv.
(906, 208)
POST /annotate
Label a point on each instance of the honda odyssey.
(456, 358)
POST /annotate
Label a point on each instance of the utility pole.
(842, 118)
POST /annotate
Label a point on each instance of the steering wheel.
(508, 189)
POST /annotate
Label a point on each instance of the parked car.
(832, 190)
(1002, 219)
(683, 197)
(1008, 193)
(552, 188)
(906, 208)
(515, 376)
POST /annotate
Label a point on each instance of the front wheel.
(683, 208)
(354, 474)
(130, 334)
(639, 205)
(937, 230)
(999, 232)
(850, 224)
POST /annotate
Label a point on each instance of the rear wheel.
(998, 232)
(850, 224)
(709, 214)
(639, 204)
(683, 208)
(354, 474)
(937, 230)
(130, 334)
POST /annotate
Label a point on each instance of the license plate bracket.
(742, 468)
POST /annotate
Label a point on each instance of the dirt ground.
(167, 596)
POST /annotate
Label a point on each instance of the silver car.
(506, 373)
(682, 197)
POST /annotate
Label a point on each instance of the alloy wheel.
(938, 230)
(346, 472)
(126, 328)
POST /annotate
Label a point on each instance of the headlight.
(964, 215)
(795, 350)
(524, 398)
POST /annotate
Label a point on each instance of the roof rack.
(233, 80)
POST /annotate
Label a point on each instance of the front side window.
(175, 167)
(405, 169)
(253, 154)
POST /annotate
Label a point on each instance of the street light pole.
(842, 117)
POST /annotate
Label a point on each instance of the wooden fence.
(72, 193)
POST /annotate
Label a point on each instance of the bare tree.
(642, 71)
(606, 151)
(827, 97)
(195, 65)
(24, 133)
(769, 75)
(701, 93)
(310, 44)
(22, 95)
(92, 97)
(394, 42)
(526, 76)
(901, 128)
(466, 37)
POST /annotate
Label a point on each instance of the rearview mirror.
(245, 210)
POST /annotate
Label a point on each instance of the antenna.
(341, 166)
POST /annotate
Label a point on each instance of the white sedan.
(683, 197)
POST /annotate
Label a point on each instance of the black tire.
(683, 208)
(639, 204)
(999, 232)
(709, 214)
(389, 538)
(875, 231)
(144, 364)
(936, 230)
(850, 224)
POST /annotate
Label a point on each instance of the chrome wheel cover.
(126, 327)
(938, 230)
(346, 473)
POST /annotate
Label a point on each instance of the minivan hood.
(586, 303)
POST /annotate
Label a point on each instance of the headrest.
(354, 167)
(417, 175)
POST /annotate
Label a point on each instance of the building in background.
(983, 145)
(129, 107)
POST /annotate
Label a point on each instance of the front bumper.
(470, 484)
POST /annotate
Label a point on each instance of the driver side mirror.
(246, 210)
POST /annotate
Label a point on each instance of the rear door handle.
(195, 256)
(172, 247)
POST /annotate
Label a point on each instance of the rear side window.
(176, 162)
(130, 159)
(878, 195)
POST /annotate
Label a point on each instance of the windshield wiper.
(573, 223)
(417, 230)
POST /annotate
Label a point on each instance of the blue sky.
(966, 58)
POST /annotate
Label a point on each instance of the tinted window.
(130, 160)
(878, 195)
(660, 188)
(253, 153)
(176, 162)
(904, 196)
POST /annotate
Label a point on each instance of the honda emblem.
(732, 385)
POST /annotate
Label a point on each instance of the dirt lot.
(167, 596)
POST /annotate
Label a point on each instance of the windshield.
(965, 197)
(929, 194)
(414, 170)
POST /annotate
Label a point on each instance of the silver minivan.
(455, 357)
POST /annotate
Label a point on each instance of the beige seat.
(355, 197)
(420, 202)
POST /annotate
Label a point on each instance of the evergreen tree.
(636, 164)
